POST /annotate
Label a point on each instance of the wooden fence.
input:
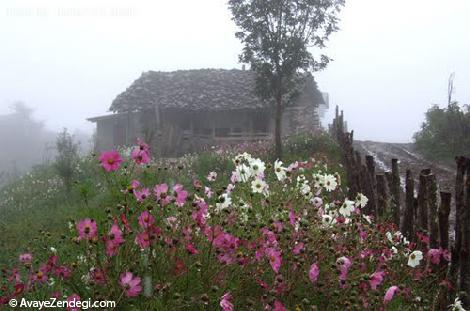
(428, 212)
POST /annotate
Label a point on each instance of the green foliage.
(445, 133)
(67, 158)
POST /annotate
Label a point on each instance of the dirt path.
(408, 159)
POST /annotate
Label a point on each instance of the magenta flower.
(113, 240)
(278, 306)
(343, 263)
(376, 279)
(72, 302)
(181, 194)
(226, 302)
(140, 156)
(26, 258)
(313, 273)
(87, 229)
(161, 193)
(110, 160)
(143, 240)
(434, 255)
(142, 194)
(62, 272)
(98, 276)
(146, 219)
(390, 293)
(130, 284)
(191, 249)
(275, 259)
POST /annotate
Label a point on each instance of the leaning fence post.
(395, 191)
(372, 193)
(408, 218)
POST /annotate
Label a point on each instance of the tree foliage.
(67, 157)
(277, 35)
(445, 132)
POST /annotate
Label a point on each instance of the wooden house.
(186, 110)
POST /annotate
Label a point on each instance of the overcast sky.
(69, 59)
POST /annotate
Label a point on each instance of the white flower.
(330, 183)
(346, 208)
(257, 166)
(223, 203)
(367, 218)
(212, 176)
(319, 180)
(328, 220)
(258, 185)
(361, 200)
(316, 201)
(243, 173)
(389, 237)
(457, 305)
(414, 258)
(305, 189)
(279, 170)
(53, 250)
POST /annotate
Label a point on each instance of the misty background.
(66, 61)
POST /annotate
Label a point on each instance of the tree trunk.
(278, 127)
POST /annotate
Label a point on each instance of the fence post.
(408, 218)
(432, 205)
(382, 194)
(422, 220)
(372, 191)
(465, 238)
(395, 191)
(443, 299)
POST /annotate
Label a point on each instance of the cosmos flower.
(376, 279)
(26, 258)
(130, 284)
(140, 156)
(223, 202)
(226, 302)
(361, 200)
(258, 185)
(279, 170)
(72, 303)
(110, 160)
(257, 167)
(212, 176)
(143, 240)
(146, 219)
(141, 194)
(390, 293)
(330, 183)
(87, 229)
(346, 208)
(414, 258)
(313, 273)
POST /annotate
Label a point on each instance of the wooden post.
(395, 191)
(432, 206)
(422, 220)
(408, 218)
(382, 194)
(444, 211)
(465, 246)
(372, 191)
(459, 202)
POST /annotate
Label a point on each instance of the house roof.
(202, 89)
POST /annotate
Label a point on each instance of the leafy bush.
(445, 133)
(67, 158)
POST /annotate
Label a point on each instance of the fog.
(67, 60)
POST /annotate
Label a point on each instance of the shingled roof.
(203, 89)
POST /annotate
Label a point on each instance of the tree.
(67, 158)
(277, 35)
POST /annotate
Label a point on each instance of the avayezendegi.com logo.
(55, 303)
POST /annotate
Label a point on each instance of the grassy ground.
(36, 210)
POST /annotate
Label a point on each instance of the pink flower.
(275, 259)
(191, 249)
(278, 306)
(130, 284)
(298, 248)
(143, 240)
(110, 160)
(313, 273)
(140, 156)
(113, 240)
(98, 276)
(161, 193)
(434, 255)
(343, 263)
(142, 194)
(390, 293)
(40, 275)
(72, 302)
(181, 194)
(146, 219)
(87, 229)
(62, 272)
(26, 258)
(226, 302)
(376, 279)
(208, 192)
